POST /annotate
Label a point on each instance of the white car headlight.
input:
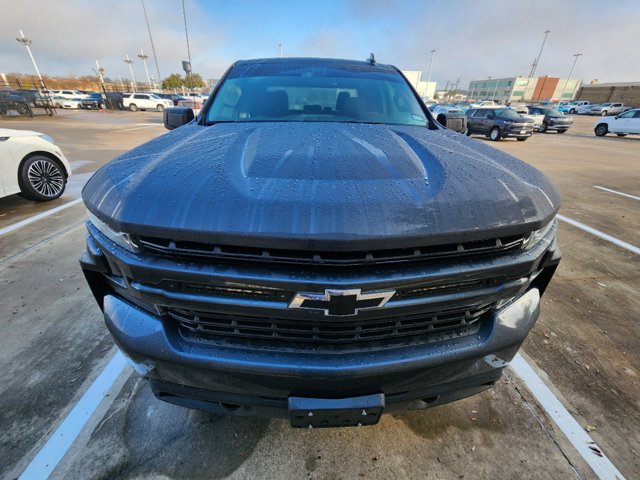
(47, 138)
(121, 239)
(538, 235)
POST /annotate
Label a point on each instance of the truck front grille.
(429, 326)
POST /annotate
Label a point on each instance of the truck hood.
(329, 186)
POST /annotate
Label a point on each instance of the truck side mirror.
(176, 117)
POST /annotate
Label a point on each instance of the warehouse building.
(524, 89)
(625, 92)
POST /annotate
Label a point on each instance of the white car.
(72, 103)
(32, 165)
(627, 122)
(524, 112)
(146, 101)
(608, 108)
(69, 94)
(484, 103)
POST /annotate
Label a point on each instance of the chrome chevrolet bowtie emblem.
(341, 303)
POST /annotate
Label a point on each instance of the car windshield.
(605, 105)
(304, 92)
(507, 113)
(155, 97)
(551, 112)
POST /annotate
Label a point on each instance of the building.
(625, 92)
(524, 89)
(424, 89)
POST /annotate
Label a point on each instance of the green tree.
(194, 80)
(174, 80)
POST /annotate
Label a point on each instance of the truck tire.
(133, 107)
(160, 108)
(543, 127)
(495, 134)
(604, 113)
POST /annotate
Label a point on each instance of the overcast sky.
(473, 39)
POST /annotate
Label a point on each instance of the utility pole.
(26, 42)
(144, 57)
(537, 60)
(280, 47)
(495, 89)
(430, 65)
(576, 55)
(184, 14)
(128, 61)
(153, 48)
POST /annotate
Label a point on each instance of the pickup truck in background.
(608, 108)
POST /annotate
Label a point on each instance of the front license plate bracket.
(342, 412)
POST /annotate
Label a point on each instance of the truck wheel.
(604, 113)
(41, 179)
(133, 107)
(601, 129)
(495, 134)
(102, 106)
(573, 110)
(543, 127)
(160, 108)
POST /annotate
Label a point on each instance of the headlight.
(47, 138)
(121, 239)
(537, 235)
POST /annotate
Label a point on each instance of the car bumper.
(226, 377)
(559, 126)
(518, 132)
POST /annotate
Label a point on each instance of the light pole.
(495, 89)
(99, 71)
(280, 47)
(184, 14)
(26, 42)
(128, 61)
(535, 63)
(430, 65)
(144, 57)
(153, 48)
(575, 60)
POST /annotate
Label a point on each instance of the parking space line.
(580, 439)
(616, 192)
(59, 442)
(598, 233)
(27, 221)
(136, 128)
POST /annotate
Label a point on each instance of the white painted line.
(40, 216)
(59, 442)
(136, 128)
(598, 233)
(616, 192)
(578, 437)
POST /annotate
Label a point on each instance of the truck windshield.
(303, 92)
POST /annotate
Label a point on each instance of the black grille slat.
(215, 325)
(225, 252)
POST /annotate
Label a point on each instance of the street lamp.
(100, 72)
(430, 65)
(280, 47)
(26, 42)
(575, 60)
(535, 62)
(144, 57)
(128, 61)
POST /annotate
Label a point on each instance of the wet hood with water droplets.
(324, 186)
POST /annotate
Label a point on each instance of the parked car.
(585, 109)
(498, 123)
(553, 119)
(572, 107)
(523, 111)
(13, 104)
(451, 117)
(146, 101)
(484, 103)
(233, 256)
(72, 103)
(609, 108)
(57, 101)
(31, 165)
(175, 98)
(194, 104)
(69, 94)
(622, 124)
(95, 101)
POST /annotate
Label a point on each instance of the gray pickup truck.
(315, 246)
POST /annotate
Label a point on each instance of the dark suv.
(498, 123)
(315, 246)
(553, 119)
